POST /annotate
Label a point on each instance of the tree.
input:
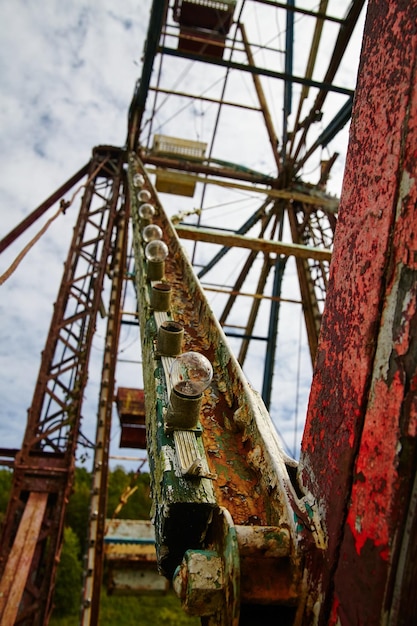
(136, 504)
(67, 595)
(78, 506)
(5, 487)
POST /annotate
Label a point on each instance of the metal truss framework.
(44, 467)
(177, 30)
(330, 528)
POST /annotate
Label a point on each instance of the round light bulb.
(144, 195)
(138, 180)
(151, 233)
(156, 250)
(146, 211)
(191, 374)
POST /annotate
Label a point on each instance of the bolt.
(199, 582)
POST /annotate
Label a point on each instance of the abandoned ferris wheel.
(246, 533)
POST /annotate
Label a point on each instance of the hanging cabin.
(169, 181)
(129, 547)
(131, 409)
(204, 25)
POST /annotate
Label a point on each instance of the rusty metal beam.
(345, 33)
(316, 198)
(93, 574)
(236, 452)
(273, 139)
(45, 464)
(260, 71)
(196, 167)
(320, 14)
(193, 97)
(312, 314)
(310, 63)
(253, 314)
(259, 245)
(261, 296)
(360, 443)
(137, 106)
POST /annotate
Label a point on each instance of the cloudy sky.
(67, 76)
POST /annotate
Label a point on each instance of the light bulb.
(156, 250)
(151, 233)
(144, 195)
(191, 374)
(146, 211)
(138, 180)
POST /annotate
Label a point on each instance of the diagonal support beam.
(261, 245)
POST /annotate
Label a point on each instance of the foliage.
(121, 610)
(138, 505)
(5, 485)
(136, 611)
(143, 610)
(69, 576)
(78, 507)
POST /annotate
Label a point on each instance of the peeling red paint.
(360, 439)
(377, 462)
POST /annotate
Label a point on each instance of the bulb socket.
(183, 411)
(161, 297)
(156, 270)
(170, 336)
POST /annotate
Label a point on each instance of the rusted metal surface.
(45, 464)
(94, 557)
(249, 476)
(359, 447)
(240, 241)
(271, 186)
(208, 581)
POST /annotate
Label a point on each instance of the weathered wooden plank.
(19, 562)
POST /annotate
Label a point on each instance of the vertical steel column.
(93, 573)
(137, 106)
(311, 309)
(359, 449)
(289, 44)
(273, 330)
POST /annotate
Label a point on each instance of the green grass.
(163, 610)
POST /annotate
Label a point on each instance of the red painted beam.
(359, 447)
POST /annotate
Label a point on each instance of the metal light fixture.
(144, 195)
(161, 297)
(138, 180)
(151, 232)
(191, 374)
(156, 252)
(146, 211)
(170, 336)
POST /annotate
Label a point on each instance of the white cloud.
(67, 74)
